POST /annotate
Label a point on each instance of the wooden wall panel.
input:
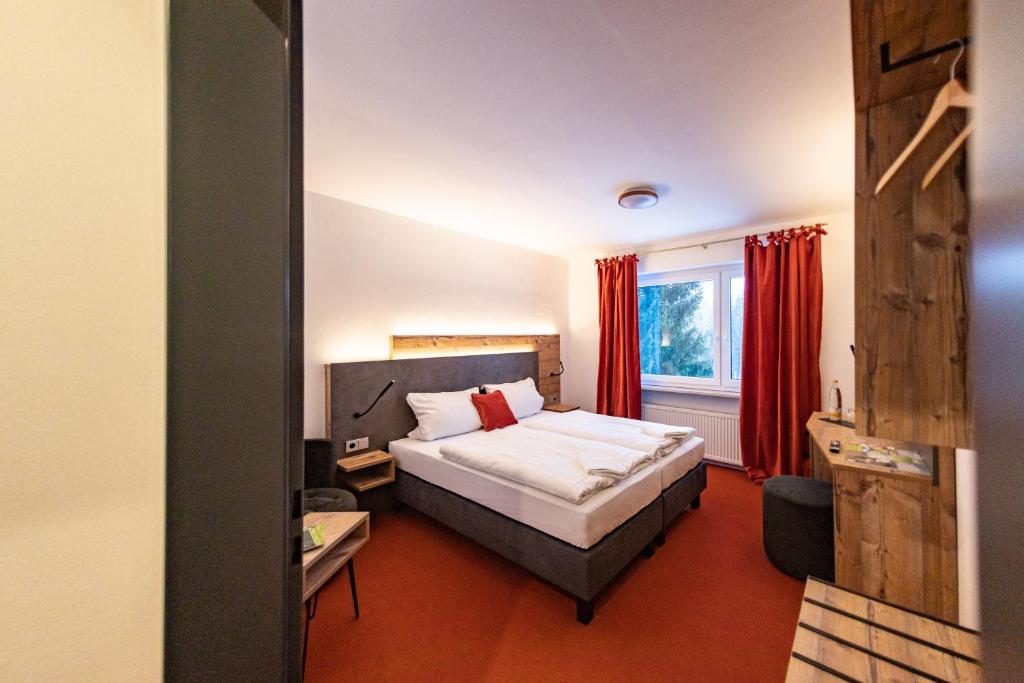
(911, 275)
(910, 27)
(948, 567)
(911, 244)
(548, 347)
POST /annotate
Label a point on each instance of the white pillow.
(522, 396)
(443, 414)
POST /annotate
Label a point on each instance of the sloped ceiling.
(521, 121)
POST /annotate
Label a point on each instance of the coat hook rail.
(888, 66)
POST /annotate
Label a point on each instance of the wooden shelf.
(367, 470)
(560, 407)
(363, 460)
(368, 480)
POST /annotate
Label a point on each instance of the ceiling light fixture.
(638, 198)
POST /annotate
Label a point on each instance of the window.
(691, 329)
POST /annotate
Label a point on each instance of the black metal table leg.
(352, 581)
(311, 605)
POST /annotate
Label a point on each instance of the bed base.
(685, 493)
(582, 573)
(584, 610)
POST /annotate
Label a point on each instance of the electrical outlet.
(357, 444)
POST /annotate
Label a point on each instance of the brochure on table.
(886, 457)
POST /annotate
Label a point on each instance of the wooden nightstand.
(560, 407)
(367, 470)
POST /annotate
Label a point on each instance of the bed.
(579, 548)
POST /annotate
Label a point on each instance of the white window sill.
(700, 391)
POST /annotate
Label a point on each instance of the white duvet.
(570, 468)
(656, 440)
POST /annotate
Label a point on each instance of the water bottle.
(835, 402)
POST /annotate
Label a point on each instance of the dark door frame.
(234, 341)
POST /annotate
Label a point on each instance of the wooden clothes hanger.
(953, 94)
(945, 156)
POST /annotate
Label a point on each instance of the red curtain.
(781, 341)
(618, 371)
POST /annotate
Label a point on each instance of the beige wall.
(371, 274)
(836, 361)
(82, 301)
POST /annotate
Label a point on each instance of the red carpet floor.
(708, 606)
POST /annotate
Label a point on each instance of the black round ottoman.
(797, 526)
(328, 500)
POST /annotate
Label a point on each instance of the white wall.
(82, 356)
(371, 274)
(968, 585)
(837, 332)
(579, 383)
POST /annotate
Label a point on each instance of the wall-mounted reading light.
(382, 392)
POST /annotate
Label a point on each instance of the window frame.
(727, 274)
(721, 381)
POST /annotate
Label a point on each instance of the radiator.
(720, 431)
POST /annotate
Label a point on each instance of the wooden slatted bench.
(847, 636)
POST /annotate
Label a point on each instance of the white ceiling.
(522, 120)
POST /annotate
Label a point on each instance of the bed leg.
(648, 550)
(584, 611)
(695, 503)
(660, 538)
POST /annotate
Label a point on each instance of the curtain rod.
(721, 241)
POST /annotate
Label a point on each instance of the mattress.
(580, 525)
(679, 462)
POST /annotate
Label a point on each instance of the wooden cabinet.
(895, 532)
(896, 537)
(911, 244)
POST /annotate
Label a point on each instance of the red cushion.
(494, 410)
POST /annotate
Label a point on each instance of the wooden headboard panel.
(351, 387)
(547, 347)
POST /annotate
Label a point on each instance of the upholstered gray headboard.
(352, 387)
